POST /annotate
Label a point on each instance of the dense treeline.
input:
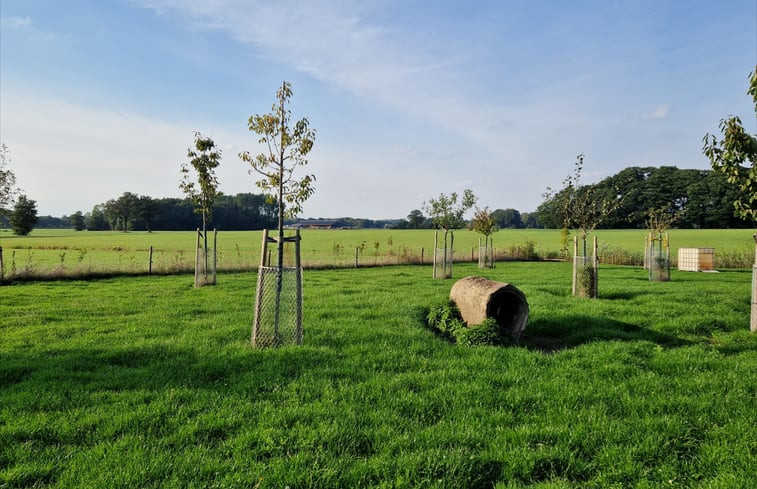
(133, 212)
(700, 199)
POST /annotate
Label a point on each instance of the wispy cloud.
(15, 22)
(338, 43)
(32, 31)
(659, 113)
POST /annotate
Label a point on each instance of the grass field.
(146, 382)
(69, 253)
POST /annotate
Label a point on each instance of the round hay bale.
(479, 298)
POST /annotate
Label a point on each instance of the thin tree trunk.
(280, 244)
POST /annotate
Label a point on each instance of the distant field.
(145, 382)
(68, 252)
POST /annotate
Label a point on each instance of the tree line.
(700, 199)
(244, 211)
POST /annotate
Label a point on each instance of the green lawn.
(70, 253)
(146, 382)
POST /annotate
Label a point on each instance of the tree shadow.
(159, 367)
(549, 336)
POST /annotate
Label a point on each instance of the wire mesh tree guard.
(278, 297)
(657, 257)
(443, 256)
(585, 268)
(205, 262)
(486, 253)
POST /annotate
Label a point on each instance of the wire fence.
(38, 263)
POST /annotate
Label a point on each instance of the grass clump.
(445, 319)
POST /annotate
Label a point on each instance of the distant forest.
(702, 199)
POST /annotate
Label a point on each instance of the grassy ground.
(147, 382)
(70, 253)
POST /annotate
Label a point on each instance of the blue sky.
(409, 98)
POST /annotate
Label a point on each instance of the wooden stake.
(149, 263)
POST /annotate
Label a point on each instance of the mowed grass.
(69, 253)
(146, 382)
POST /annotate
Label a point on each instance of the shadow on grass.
(158, 367)
(549, 335)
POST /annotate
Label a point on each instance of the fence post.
(356, 259)
(421, 255)
(2, 265)
(149, 263)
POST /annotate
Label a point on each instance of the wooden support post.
(753, 325)
(149, 263)
(215, 254)
(298, 292)
(197, 258)
(436, 239)
(2, 265)
(595, 269)
(259, 291)
(357, 250)
(575, 264)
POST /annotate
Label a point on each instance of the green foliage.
(287, 148)
(123, 211)
(416, 219)
(7, 179)
(488, 333)
(446, 212)
(204, 159)
(735, 156)
(77, 221)
(445, 318)
(24, 216)
(508, 219)
(582, 207)
(483, 222)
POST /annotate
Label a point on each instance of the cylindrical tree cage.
(486, 253)
(585, 271)
(278, 298)
(658, 253)
(443, 256)
(205, 260)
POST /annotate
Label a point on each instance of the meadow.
(60, 253)
(147, 382)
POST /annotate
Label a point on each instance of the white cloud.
(15, 22)
(659, 113)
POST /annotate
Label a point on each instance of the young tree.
(204, 158)
(7, 179)
(287, 146)
(447, 214)
(583, 208)
(24, 216)
(483, 223)
(736, 157)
